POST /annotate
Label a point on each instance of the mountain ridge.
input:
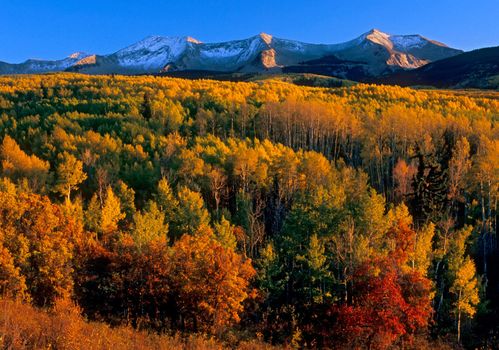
(474, 69)
(380, 53)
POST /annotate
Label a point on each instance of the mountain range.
(374, 53)
(374, 56)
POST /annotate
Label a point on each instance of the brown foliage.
(25, 327)
(211, 282)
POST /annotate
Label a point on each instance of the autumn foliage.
(357, 217)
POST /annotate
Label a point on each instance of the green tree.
(192, 214)
(318, 274)
(127, 199)
(149, 225)
(224, 233)
(166, 200)
(145, 107)
(93, 214)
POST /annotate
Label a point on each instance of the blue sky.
(53, 29)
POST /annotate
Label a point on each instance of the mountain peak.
(378, 37)
(78, 55)
(155, 40)
(190, 39)
(376, 31)
(157, 43)
(267, 38)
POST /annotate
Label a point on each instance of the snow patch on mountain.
(220, 52)
(154, 52)
(408, 41)
(157, 43)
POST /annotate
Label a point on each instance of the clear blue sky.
(53, 29)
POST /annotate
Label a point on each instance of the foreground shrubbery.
(25, 327)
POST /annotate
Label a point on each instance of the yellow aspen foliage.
(149, 225)
(16, 164)
(69, 174)
(12, 282)
(422, 255)
(166, 200)
(459, 167)
(35, 234)
(111, 213)
(465, 287)
(465, 290)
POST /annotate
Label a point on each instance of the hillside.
(155, 211)
(65, 328)
(474, 69)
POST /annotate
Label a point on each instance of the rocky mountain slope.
(474, 69)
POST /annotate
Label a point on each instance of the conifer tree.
(146, 107)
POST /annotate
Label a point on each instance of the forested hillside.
(355, 217)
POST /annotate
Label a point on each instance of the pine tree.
(146, 107)
(430, 189)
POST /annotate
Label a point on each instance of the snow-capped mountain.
(154, 52)
(165, 54)
(373, 53)
(41, 66)
(260, 52)
(406, 51)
